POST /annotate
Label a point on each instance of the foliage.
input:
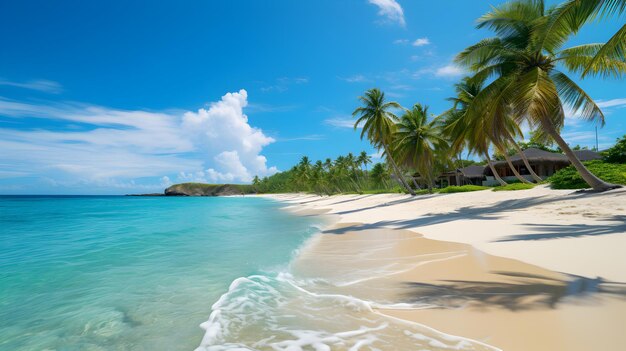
(515, 186)
(617, 153)
(525, 67)
(379, 124)
(568, 178)
(418, 141)
(346, 174)
(462, 189)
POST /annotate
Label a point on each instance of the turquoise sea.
(130, 273)
(194, 273)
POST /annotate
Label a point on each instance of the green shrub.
(515, 186)
(568, 178)
(462, 189)
(617, 153)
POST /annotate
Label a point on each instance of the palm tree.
(364, 159)
(417, 139)
(524, 60)
(379, 174)
(465, 130)
(573, 14)
(378, 124)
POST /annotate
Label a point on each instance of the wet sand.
(459, 289)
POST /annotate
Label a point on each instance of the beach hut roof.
(473, 171)
(587, 155)
(533, 154)
(538, 155)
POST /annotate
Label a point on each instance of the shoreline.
(471, 247)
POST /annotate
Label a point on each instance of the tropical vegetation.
(569, 178)
(523, 75)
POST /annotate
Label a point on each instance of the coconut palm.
(571, 15)
(465, 130)
(416, 140)
(378, 124)
(364, 159)
(524, 60)
(379, 175)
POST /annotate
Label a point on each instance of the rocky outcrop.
(201, 189)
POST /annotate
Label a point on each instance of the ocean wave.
(280, 312)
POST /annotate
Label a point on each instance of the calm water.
(143, 273)
(130, 273)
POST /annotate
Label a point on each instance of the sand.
(536, 269)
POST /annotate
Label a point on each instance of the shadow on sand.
(527, 293)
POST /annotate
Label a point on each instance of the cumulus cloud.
(98, 145)
(449, 71)
(421, 42)
(391, 10)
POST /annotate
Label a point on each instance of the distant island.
(202, 189)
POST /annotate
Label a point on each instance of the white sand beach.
(536, 269)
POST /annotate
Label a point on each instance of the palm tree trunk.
(526, 163)
(510, 163)
(415, 183)
(397, 171)
(596, 183)
(493, 170)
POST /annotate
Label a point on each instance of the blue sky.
(120, 97)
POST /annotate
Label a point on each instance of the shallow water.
(130, 273)
(133, 273)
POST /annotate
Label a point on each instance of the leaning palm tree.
(465, 130)
(502, 128)
(524, 61)
(378, 124)
(417, 139)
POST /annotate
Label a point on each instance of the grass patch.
(568, 178)
(514, 186)
(462, 189)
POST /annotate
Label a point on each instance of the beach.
(536, 269)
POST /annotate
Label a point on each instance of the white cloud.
(46, 86)
(391, 10)
(357, 78)
(340, 122)
(111, 147)
(282, 84)
(401, 41)
(449, 71)
(229, 139)
(611, 103)
(421, 42)
(377, 156)
(310, 137)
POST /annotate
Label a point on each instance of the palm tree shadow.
(491, 212)
(529, 292)
(556, 231)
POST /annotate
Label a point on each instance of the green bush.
(462, 189)
(515, 186)
(568, 178)
(617, 153)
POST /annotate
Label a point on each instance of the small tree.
(617, 153)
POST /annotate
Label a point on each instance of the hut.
(474, 174)
(544, 163)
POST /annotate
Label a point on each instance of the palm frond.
(576, 98)
(614, 48)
